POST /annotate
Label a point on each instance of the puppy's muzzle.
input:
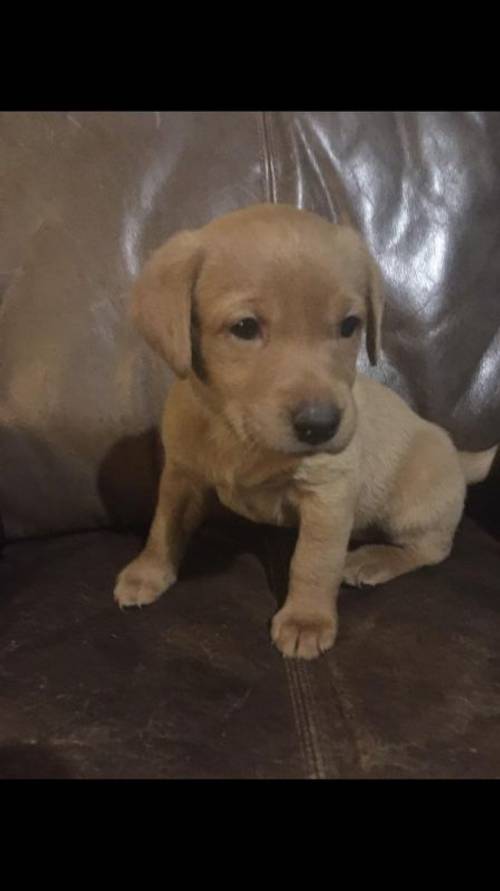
(315, 422)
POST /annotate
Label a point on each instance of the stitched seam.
(303, 719)
(299, 687)
(268, 158)
(317, 717)
(326, 730)
(304, 714)
(264, 159)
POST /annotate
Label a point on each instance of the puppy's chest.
(263, 504)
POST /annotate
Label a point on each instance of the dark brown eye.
(246, 329)
(349, 326)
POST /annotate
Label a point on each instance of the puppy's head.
(263, 309)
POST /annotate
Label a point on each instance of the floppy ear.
(161, 304)
(375, 308)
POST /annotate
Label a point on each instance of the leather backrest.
(84, 197)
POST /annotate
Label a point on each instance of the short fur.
(227, 425)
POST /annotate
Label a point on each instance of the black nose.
(315, 422)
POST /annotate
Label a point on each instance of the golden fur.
(227, 425)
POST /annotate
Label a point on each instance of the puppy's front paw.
(303, 636)
(142, 582)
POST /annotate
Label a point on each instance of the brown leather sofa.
(191, 686)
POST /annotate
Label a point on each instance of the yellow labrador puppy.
(261, 314)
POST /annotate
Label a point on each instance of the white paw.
(367, 567)
(303, 636)
(142, 582)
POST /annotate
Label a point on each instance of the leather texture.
(84, 197)
(192, 688)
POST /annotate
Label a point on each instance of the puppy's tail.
(477, 465)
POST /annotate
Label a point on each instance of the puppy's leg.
(307, 623)
(180, 509)
(422, 513)
(376, 564)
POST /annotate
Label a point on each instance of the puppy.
(260, 314)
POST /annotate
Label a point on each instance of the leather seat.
(191, 686)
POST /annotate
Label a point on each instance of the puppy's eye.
(246, 329)
(349, 325)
